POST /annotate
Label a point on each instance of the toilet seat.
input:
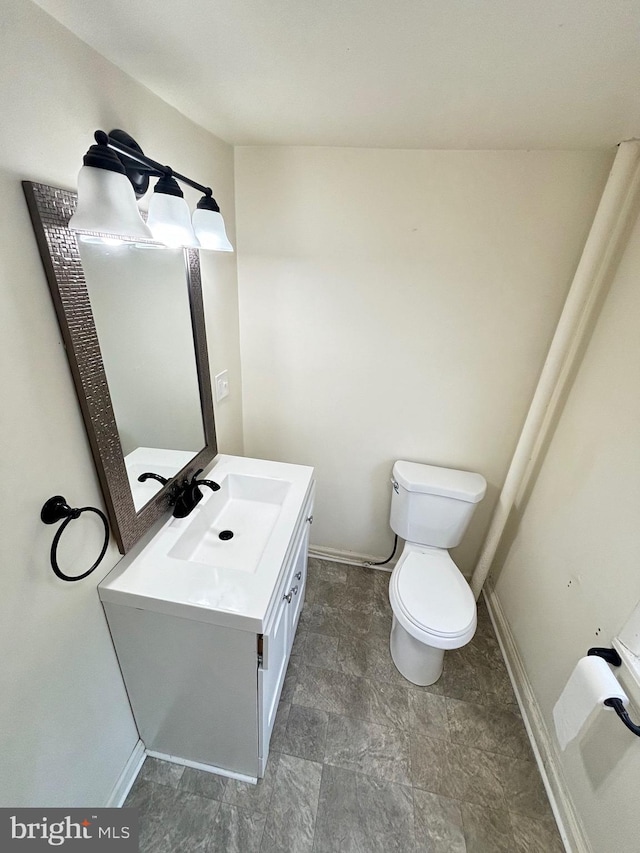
(431, 599)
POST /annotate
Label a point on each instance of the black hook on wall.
(56, 509)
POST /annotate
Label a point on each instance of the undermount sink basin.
(232, 529)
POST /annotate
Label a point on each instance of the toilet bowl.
(433, 610)
(433, 606)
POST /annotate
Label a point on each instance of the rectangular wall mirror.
(132, 322)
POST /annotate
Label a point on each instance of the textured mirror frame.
(50, 209)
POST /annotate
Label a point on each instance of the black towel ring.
(56, 509)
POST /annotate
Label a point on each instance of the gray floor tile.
(438, 824)
(459, 772)
(494, 729)
(236, 830)
(479, 683)
(535, 836)
(255, 798)
(332, 621)
(292, 813)
(331, 691)
(388, 704)
(380, 751)
(291, 679)
(320, 650)
(327, 570)
(162, 772)
(155, 804)
(368, 657)
(306, 733)
(486, 830)
(360, 814)
(524, 791)
(360, 578)
(485, 627)
(381, 606)
(190, 823)
(380, 626)
(428, 713)
(482, 650)
(208, 785)
(437, 689)
(172, 821)
(429, 762)
(343, 597)
(279, 727)
(299, 642)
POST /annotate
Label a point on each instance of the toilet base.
(417, 662)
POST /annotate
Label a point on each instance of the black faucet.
(187, 495)
(149, 475)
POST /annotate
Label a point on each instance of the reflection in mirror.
(140, 303)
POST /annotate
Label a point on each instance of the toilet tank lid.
(448, 482)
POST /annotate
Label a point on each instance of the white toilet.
(433, 606)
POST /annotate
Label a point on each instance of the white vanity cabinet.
(204, 682)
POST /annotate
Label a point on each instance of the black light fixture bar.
(151, 166)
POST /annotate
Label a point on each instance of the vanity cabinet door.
(279, 640)
(270, 680)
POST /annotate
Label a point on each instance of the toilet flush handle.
(395, 485)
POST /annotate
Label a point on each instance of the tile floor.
(362, 761)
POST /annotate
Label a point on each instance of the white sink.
(246, 507)
(187, 570)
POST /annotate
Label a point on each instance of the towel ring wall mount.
(57, 509)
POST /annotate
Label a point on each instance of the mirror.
(140, 305)
(132, 321)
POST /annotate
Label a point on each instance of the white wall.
(66, 728)
(398, 305)
(571, 577)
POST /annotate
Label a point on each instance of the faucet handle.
(195, 482)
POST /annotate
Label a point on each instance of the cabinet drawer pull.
(310, 519)
(298, 575)
(288, 597)
(295, 590)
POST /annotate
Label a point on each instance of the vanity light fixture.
(169, 216)
(106, 199)
(116, 172)
(209, 225)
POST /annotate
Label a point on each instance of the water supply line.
(600, 252)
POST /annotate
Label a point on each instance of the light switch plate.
(222, 385)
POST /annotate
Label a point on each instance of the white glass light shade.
(210, 230)
(170, 220)
(107, 203)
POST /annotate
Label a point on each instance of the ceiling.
(398, 74)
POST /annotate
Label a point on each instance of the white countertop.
(153, 580)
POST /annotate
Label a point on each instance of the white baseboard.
(351, 558)
(208, 768)
(544, 749)
(127, 777)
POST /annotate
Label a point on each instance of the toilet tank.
(432, 505)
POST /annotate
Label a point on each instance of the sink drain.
(225, 534)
